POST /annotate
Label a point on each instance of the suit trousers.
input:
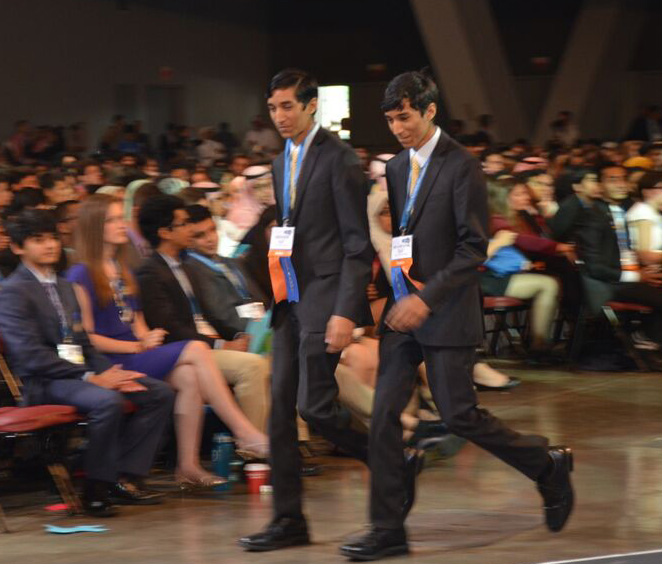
(303, 376)
(117, 443)
(449, 371)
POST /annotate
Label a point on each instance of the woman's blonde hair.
(89, 242)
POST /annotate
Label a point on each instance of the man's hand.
(338, 333)
(408, 314)
(117, 379)
(651, 275)
(153, 339)
(240, 343)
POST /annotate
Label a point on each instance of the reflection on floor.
(471, 510)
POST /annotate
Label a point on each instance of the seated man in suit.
(48, 349)
(173, 299)
(609, 265)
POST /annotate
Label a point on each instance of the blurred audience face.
(290, 116)
(6, 195)
(542, 187)
(239, 165)
(41, 250)
(494, 164)
(385, 219)
(409, 126)
(151, 167)
(179, 232)
(115, 231)
(181, 173)
(614, 183)
(60, 192)
(589, 188)
(519, 198)
(656, 156)
(28, 181)
(129, 160)
(92, 175)
(204, 237)
(67, 225)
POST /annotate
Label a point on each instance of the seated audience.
(173, 300)
(50, 351)
(645, 220)
(107, 293)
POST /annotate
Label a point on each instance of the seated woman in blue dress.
(110, 308)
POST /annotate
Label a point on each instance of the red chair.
(500, 307)
(42, 422)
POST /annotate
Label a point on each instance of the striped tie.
(294, 157)
(415, 171)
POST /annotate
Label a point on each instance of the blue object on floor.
(79, 529)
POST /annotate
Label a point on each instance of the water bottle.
(222, 453)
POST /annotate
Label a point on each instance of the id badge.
(402, 248)
(254, 310)
(71, 353)
(282, 239)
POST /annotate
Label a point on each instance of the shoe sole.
(389, 552)
(250, 548)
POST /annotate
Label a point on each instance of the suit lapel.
(278, 185)
(399, 190)
(437, 159)
(310, 158)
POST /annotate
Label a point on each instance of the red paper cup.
(256, 475)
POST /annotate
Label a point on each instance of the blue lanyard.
(238, 283)
(286, 175)
(411, 198)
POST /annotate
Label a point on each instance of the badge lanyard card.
(402, 257)
(283, 278)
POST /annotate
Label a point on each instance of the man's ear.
(164, 233)
(16, 249)
(431, 112)
(311, 108)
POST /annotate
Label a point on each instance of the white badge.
(71, 353)
(402, 247)
(282, 239)
(254, 310)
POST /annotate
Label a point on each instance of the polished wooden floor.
(471, 510)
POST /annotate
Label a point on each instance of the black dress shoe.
(556, 489)
(280, 533)
(130, 493)
(376, 544)
(509, 385)
(427, 430)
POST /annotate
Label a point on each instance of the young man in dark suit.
(322, 256)
(438, 203)
(48, 349)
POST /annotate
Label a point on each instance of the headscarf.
(172, 186)
(381, 240)
(131, 190)
(246, 208)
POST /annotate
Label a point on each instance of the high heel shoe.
(188, 485)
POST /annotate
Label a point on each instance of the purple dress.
(156, 363)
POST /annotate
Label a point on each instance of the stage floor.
(470, 510)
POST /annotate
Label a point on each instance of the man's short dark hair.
(415, 86)
(576, 175)
(305, 85)
(30, 223)
(26, 198)
(155, 213)
(649, 180)
(605, 166)
(198, 213)
(48, 179)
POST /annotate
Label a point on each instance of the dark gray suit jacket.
(449, 225)
(332, 254)
(30, 329)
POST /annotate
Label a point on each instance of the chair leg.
(499, 326)
(617, 326)
(65, 487)
(3, 521)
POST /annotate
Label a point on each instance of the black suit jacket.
(449, 225)
(568, 218)
(219, 297)
(332, 254)
(30, 329)
(165, 304)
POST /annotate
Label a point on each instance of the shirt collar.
(171, 262)
(309, 138)
(423, 154)
(50, 279)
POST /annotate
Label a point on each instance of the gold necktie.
(294, 157)
(415, 171)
